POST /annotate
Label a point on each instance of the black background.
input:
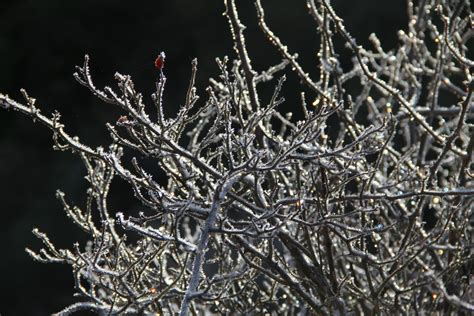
(41, 41)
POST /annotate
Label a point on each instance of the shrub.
(362, 205)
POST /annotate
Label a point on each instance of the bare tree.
(266, 214)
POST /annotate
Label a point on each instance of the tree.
(264, 213)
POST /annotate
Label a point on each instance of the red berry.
(160, 61)
(122, 120)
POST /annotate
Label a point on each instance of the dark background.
(41, 41)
